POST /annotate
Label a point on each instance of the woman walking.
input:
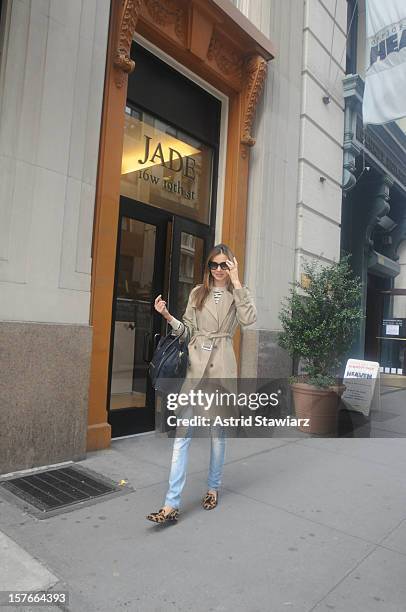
(214, 310)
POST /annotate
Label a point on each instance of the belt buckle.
(207, 347)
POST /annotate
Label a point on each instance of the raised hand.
(160, 306)
(233, 272)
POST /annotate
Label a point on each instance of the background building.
(374, 215)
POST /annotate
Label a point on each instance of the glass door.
(191, 244)
(157, 253)
(141, 274)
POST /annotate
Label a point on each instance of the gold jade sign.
(165, 168)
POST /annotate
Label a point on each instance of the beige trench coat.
(215, 324)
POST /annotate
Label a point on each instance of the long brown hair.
(203, 290)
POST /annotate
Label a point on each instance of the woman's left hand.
(233, 272)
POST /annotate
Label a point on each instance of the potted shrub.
(319, 320)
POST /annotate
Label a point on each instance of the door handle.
(156, 340)
(147, 348)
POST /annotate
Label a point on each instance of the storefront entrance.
(165, 227)
(157, 253)
(386, 333)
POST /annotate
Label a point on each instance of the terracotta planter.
(318, 405)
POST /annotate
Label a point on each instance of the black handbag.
(168, 365)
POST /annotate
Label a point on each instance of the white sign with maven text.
(360, 379)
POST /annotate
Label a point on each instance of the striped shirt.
(217, 293)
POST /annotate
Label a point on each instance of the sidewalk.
(302, 525)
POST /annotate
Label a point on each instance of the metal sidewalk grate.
(59, 488)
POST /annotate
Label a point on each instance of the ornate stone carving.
(228, 61)
(378, 206)
(247, 74)
(244, 150)
(255, 74)
(166, 13)
(126, 28)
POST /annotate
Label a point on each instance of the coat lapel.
(224, 306)
(220, 310)
(211, 305)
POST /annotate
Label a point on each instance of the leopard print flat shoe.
(210, 500)
(162, 517)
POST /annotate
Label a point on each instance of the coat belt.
(209, 335)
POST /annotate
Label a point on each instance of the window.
(352, 32)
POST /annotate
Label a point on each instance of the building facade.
(51, 95)
(296, 165)
(374, 215)
(133, 136)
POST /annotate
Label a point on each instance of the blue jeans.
(177, 476)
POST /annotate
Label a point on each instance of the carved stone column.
(119, 64)
(353, 94)
(379, 206)
(398, 235)
(255, 74)
(127, 22)
(242, 114)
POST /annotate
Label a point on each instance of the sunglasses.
(213, 265)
